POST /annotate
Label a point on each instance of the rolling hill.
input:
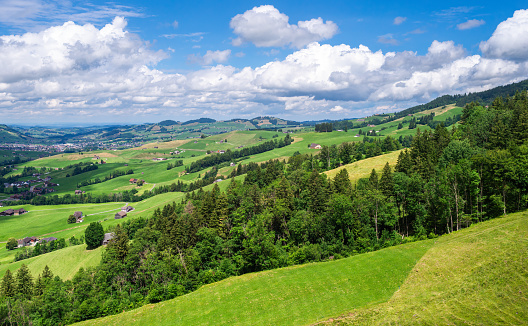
(478, 275)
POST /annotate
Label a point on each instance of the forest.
(286, 212)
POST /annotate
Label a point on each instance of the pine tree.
(119, 244)
(8, 285)
(386, 183)
(342, 182)
(24, 282)
(47, 274)
(373, 179)
(39, 286)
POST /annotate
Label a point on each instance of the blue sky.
(137, 61)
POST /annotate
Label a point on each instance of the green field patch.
(476, 276)
(63, 263)
(44, 220)
(363, 168)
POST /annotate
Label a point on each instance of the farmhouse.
(77, 215)
(27, 241)
(120, 215)
(133, 180)
(315, 146)
(7, 212)
(107, 238)
(127, 208)
(19, 211)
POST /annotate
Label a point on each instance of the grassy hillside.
(363, 168)
(473, 276)
(63, 263)
(289, 296)
(477, 276)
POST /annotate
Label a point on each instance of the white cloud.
(109, 72)
(265, 26)
(175, 24)
(338, 108)
(509, 41)
(210, 57)
(399, 20)
(472, 23)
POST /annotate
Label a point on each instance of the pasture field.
(51, 220)
(295, 295)
(476, 276)
(42, 220)
(363, 168)
(63, 263)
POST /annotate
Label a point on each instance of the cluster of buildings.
(31, 241)
(26, 184)
(123, 212)
(13, 212)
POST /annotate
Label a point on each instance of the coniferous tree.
(8, 285)
(119, 244)
(24, 282)
(342, 183)
(386, 184)
(47, 274)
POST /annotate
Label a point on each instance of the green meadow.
(363, 168)
(476, 276)
(63, 263)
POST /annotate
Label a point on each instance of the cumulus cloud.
(472, 23)
(265, 26)
(75, 69)
(399, 20)
(70, 48)
(210, 57)
(509, 39)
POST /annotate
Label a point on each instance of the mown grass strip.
(476, 276)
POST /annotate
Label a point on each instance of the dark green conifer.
(8, 285)
(24, 282)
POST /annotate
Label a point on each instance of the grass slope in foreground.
(477, 276)
(288, 296)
